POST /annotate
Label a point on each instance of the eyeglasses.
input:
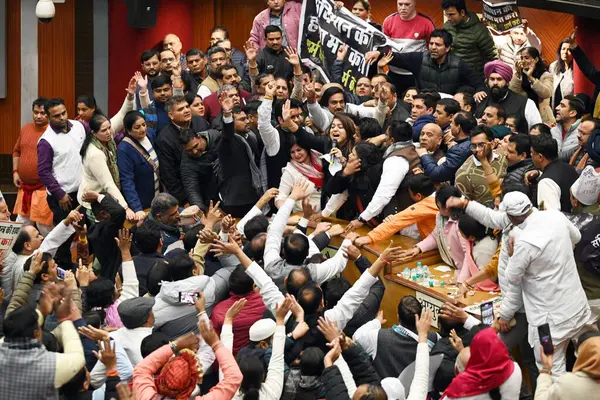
(475, 146)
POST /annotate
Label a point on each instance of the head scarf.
(588, 358)
(515, 204)
(488, 368)
(499, 67)
(179, 376)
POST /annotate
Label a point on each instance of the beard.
(497, 93)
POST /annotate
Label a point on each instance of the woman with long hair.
(532, 79)
(100, 170)
(138, 164)
(359, 179)
(196, 104)
(562, 71)
(305, 164)
(337, 143)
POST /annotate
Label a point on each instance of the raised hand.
(106, 354)
(292, 56)
(299, 190)
(251, 51)
(221, 248)
(270, 90)
(372, 56)
(423, 323)
(310, 93)
(188, 341)
(234, 310)
(329, 329)
(456, 341)
(213, 215)
(282, 310)
(227, 104)
(267, 197)
(207, 236)
(36, 263)
(342, 51)
(131, 86)
(142, 81)
(385, 60)
(83, 274)
(380, 317)
(227, 223)
(333, 354)
(124, 241)
(208, 333)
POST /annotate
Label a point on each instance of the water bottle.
(406, 273)
(419, 271)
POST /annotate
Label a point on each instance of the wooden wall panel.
(10, 107)
(204, 20)
(239, 22)
(56, 51)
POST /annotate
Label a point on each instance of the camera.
(44, 11)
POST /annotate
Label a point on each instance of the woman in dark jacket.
(138, 164)
(360, 178)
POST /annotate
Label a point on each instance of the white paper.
(334, 167)
(443, 268)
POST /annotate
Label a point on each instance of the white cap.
(262, 329)
(515, 204)
(393, 388)
(587, 187)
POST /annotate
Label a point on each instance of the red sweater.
(413, 35)
(252, 312)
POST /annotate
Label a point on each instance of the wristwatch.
(174, 348)
(361, 219)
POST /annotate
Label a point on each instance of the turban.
(179, 376)
(515, 204)
(499, 67)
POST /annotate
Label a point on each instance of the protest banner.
(502, 16)
(324, 30)
(8, 233)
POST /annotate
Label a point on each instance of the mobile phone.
(487, 313)
(546, 339)
(60, 273)
(187, 297)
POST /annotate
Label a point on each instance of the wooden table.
(397, 287)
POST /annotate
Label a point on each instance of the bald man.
(431, 139)
(173, 43)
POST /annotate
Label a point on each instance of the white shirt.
(131, 341)
(268, 133)
(392, 175)
(320, 273)
(322, 117)
(204, 91)
(549, 193)
(544, 266)
(532, 113)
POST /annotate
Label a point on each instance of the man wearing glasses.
(474, 176)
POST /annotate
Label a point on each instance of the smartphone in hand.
(546, 339)
(487, 313)
(187, 297)
(60, 274)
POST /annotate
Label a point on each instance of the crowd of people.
(165, 252)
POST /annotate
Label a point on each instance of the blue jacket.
(136, 174)
(156, 116)
(455, 157)
(419, 124)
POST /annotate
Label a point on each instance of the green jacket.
(473, 43)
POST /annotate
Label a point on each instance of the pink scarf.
(112, 316)
(312, 171)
